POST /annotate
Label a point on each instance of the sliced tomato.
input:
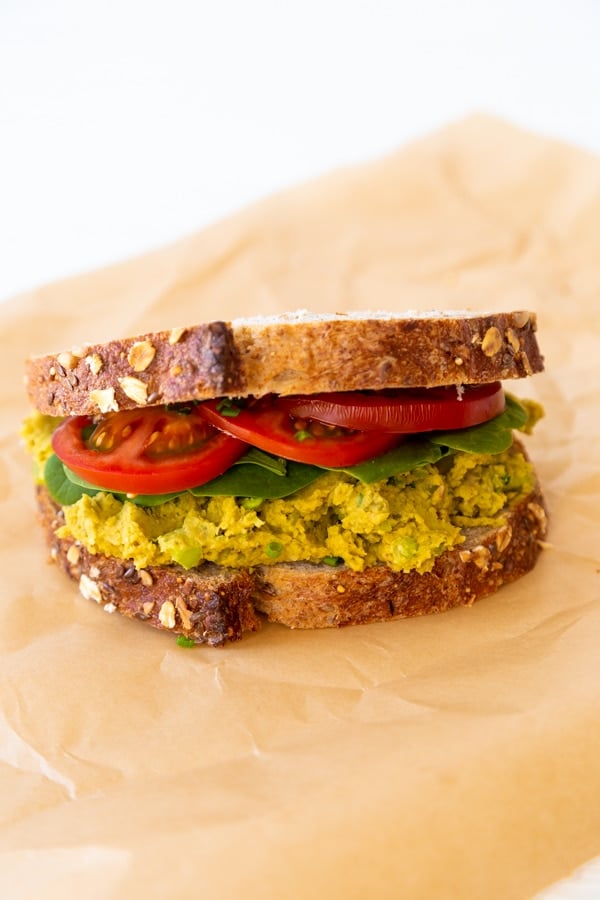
(268, 425)
(146, 451)
(403, 411)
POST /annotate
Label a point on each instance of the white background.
(128, 123)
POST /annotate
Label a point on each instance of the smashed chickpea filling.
(404, 523)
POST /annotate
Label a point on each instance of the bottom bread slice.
(213, 605)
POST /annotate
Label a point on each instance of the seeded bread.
(317, 596)
(210, 605)
(213, 605)
(293, 353)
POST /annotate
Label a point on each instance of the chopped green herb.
(273, 549)
(228, 407)
(302, 435)
(332, 560)
(184, 641)
(188, 557)
(251, 502)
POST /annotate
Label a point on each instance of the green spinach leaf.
(494, 436)
(254, 481)
(263, 476)
(62, 490)
(409, 455)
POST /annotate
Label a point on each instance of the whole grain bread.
(293, 353)
(214, 605)
(210, 605)
(303, 595)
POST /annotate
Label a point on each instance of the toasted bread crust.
(214, 605)
(295, 353)
(210, 605)
(313, 596)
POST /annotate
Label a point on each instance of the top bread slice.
(294, 353)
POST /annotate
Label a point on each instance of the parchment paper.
(454, 756)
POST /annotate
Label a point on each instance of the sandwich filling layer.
(404, 521)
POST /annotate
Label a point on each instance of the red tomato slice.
(267, 424)
(145, 451)
(403, 411)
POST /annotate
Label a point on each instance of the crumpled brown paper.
(451, 756)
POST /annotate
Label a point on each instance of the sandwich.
(313, 470)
